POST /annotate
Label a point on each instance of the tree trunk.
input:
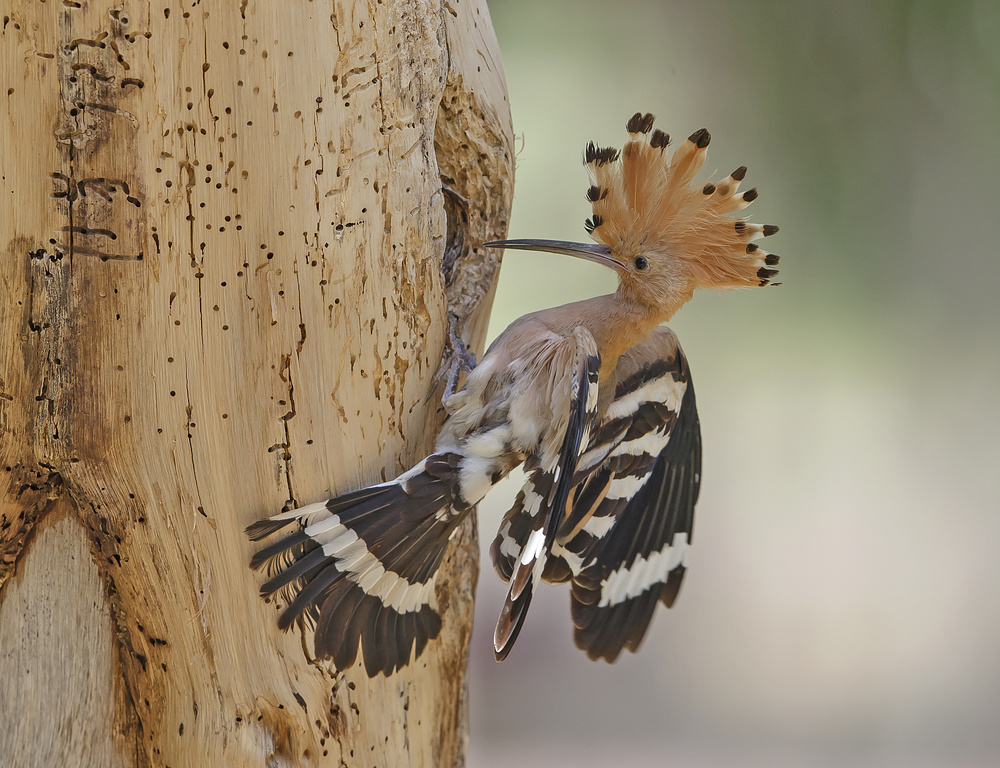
(227, 271)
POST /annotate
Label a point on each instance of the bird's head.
(664, 235)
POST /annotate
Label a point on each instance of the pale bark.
(221, 260)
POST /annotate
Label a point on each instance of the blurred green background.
(841, 607)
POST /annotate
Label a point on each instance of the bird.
(593, 398)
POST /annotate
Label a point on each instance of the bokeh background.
(842, 605)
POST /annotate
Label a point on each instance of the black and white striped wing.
(547, 492)
(629, 551)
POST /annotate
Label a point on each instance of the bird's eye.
(641, 264)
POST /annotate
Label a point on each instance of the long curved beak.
(599, 254)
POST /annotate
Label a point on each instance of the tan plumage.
(593, 397)
(646, 204)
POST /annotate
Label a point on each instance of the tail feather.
(362, 567)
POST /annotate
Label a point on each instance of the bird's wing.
(627, 544)
(519, 521)
(574, 369)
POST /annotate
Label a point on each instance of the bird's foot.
(457, 360)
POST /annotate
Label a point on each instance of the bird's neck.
(618, 325)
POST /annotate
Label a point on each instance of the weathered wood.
(221, 265)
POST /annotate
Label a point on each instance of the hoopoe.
(594, 398)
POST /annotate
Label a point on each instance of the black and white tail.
(362, 568)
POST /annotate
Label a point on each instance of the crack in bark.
(286, 370)
(189, 409)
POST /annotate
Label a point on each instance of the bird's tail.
(362, 566)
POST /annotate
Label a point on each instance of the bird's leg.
(457, 359)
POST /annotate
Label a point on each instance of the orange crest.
(644, 201)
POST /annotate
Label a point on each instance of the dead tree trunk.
(226, 270)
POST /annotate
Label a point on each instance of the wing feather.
(551, 481)
(633, 546)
